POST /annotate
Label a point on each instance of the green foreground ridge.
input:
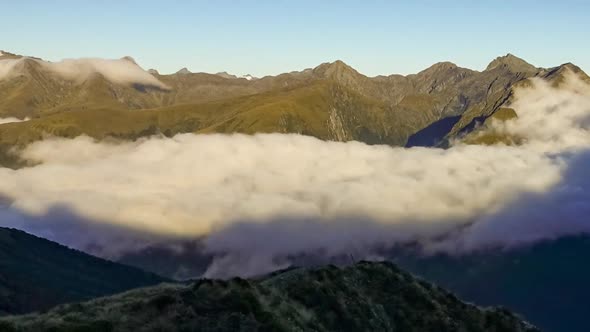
(364, 297)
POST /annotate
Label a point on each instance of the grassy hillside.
(364, 297)
(324, 109)
(36, 274)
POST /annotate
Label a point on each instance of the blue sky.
(270, 37)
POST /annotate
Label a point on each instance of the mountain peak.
(130, 59)
(340, 65)
(248, 77)
(337, 70)
(184, 71)
(558, 74)
(153, 72)
(512, 63)
(439, 67)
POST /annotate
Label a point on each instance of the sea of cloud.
(255, 198)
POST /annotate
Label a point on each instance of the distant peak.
(153, 72)
(130, 59)
(440, 66)
(339, 64)
(558, 74)
(184, 71)
(334, 64)
(225, 74)
(512, 63)
(249, 77)
(571, 67)
(335, 70)
(444, 64)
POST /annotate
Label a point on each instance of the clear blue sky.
(268, 37)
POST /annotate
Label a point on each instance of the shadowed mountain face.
(363, 297)
(37, 274)
(331, 102)
(434, 134)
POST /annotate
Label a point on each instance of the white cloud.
(196, 183)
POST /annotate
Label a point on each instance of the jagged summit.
(512, 63)
(184, 71)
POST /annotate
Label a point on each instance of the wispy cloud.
(121, 71)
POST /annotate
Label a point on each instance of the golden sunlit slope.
(323, 109)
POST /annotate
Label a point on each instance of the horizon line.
(282, 72)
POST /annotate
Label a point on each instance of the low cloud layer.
(259, 197)
(120, 71)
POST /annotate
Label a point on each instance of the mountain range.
(331, 101)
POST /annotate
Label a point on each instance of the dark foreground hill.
(546, 282)
(37, 274)
(363, 297)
